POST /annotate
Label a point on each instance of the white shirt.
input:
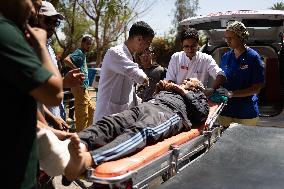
(118, 74)
(55, 110)
(201, 66)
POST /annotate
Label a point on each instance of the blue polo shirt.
(241, 73)
(78, 58)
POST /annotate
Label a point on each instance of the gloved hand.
(225, 92)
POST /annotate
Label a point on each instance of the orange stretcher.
(163, 159)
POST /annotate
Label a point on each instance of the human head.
(189, 41)
(49, 18)
(192, 84)
(86, 43)
(236, 34)
(142, 34)
(146, 57)
(33, 20)
(18, 11)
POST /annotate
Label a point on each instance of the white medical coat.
(116, 85)
(201, 66)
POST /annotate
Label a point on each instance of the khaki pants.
(226, 121)
(84, 108)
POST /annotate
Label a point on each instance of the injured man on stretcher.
(173, 109)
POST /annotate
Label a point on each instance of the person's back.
(119, 72)
(17, 104)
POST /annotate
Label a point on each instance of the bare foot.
(76, 164)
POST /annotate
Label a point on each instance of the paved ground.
(152, 185)
(57, 180)
(58, 185)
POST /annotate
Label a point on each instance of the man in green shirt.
(27, 76)
(84, 107)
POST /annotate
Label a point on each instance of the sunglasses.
(52, 21)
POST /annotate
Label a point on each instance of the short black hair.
(87, 38)
(190, 33)
(141, 28)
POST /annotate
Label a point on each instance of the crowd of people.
(137, 104)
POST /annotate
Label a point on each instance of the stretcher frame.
(167, 165)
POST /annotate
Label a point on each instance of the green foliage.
(184, 9)
(278, 6)
(164, 48)
(110, 18)
(75, 24)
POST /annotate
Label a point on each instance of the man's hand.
(62, 135)
(209, 91)
(36, 37)
(68, 62)
(60, 124)
(180, 90)
(162, 85)
(146, 82)
(73, 78)
(225, 92)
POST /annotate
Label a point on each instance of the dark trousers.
(122, 134)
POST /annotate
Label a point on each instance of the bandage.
(53, 153)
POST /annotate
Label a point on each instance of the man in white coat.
(119, 72)
(191, 63)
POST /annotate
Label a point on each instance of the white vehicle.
(244, 156)
(266, 37)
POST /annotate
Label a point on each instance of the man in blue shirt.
(84, 107)
(245, 77)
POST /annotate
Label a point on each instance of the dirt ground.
(58, 185)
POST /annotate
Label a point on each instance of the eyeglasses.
(190, 46)
(52, 21)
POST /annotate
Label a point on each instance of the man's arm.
(163, 85)
(41, 123)
(254, 89)
(51, 92)
(56, 122)
(73, 78)
(68, 62)
(197, 107)
(171, 74)
(196, 103)
(120, 63)
(220, 79)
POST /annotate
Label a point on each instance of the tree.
(110, 18)
(163, 48)
(278, 6)
(75, 25)
(184, 9)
